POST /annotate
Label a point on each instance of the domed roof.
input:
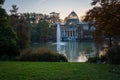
(72, 15)
(72, 19)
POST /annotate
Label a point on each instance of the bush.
(113, 55)
(41, 54)
(94, 60)
(103, 59)
(62, 58)
(8, 52)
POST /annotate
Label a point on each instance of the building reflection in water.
(76, 51)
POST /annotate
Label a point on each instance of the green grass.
(58, 71)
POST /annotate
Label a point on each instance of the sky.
(64, 7)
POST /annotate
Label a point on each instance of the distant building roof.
(73, 15)
(72, 19)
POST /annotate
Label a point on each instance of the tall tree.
(21, 27)
(7, 35)
(43, 29)
(105, 16)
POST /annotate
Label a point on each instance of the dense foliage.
(2, 1)
(113, 55)
(43, 30)
(41, 54)
(105, 17)
(7, 36)
(21, 28)
(94, 60)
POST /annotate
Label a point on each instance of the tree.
(23, 34)
(105, 16)
(7, 35)
(1, 2)
(113, 55)
(21, 27)
(43, 29)
(54, 17)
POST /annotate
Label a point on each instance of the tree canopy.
(105, 16)
(1, 2)
(21, 27)
(43, 29)
(7, 35)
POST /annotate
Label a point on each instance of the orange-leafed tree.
(105, 16)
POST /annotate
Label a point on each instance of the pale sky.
(64, 7)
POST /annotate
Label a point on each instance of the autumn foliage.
(105, 17)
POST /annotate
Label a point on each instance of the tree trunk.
(110, 41)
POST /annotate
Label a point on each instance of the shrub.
(41, 54)
(113, 55)
(103, 59)
(62, 58)
(10, 55)
(94, 60)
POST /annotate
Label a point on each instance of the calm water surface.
(72, 50)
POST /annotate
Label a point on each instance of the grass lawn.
(58, 71)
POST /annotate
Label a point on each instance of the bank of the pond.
(58, 71)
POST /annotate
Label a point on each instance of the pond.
(74, 51)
